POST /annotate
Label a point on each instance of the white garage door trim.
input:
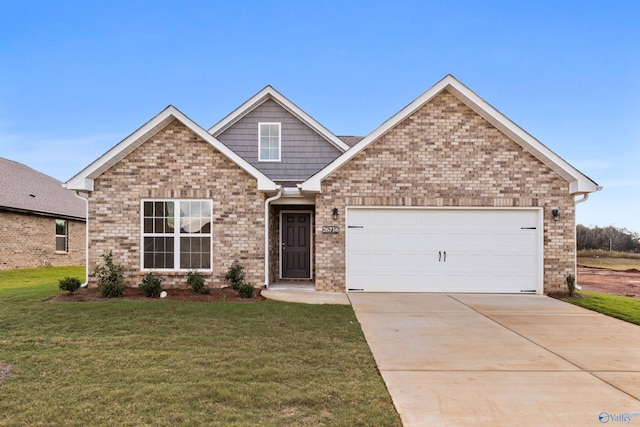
(427, 249)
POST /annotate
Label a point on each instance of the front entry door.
(296, 245)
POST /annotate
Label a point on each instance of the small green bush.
(151, 285)
(235, 274)
(110, 277)
(196, 282)
(245, 290)
(571, 284)
(69, 284)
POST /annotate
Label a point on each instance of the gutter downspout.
(86, 238)
(266, 234)
(584, 198)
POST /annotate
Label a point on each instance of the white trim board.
(270, 93)
(578, 182)
(83, 181)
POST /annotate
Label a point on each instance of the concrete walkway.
(307, 297)
(502, 360)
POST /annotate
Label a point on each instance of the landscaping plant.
(571, 284)
(69, 284)
(110, 277)
(151, 285)
(235, 274)
(196, 282)
(246, 290)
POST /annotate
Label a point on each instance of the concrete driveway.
(512, 360)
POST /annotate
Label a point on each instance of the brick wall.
(30, 241)
(176, 164)
(445, 155)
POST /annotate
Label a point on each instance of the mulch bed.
(136, 294)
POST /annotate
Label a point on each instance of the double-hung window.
(61, 235)
(176, 234)
(269, 142)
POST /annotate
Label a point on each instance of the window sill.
(62, 252)
(174, 271)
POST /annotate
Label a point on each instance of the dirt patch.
(136, 294)
(5, 370)
(623, 283)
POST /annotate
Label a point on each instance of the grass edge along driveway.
(166, 362)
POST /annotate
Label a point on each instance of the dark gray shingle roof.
(26, 190)
(351, 140)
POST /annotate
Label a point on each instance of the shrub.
(110, 277)
(69, 284)
(151, 285)
(196, 282)
(245, 290)
(571, 284)
(235, 274)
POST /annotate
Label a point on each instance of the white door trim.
(311, 220)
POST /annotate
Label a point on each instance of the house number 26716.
(330, 229)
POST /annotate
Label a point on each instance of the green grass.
(627, 309)
(619, 261)
(135, 363)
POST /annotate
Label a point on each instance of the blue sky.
(76, 77)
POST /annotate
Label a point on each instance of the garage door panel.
(404, 250)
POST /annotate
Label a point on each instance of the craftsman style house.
(447, 195)
(41, 223)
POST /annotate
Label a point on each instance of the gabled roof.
(26, 190)
(270, 93)
(578, 183)
(83, 181)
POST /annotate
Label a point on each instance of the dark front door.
(296, 245)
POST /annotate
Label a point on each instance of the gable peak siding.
(303, 151)
(446, 155)
(176, 164)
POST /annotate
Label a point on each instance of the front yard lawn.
(132, 363)
(624, 308)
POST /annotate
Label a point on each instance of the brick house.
(41, 223)
(448, 195)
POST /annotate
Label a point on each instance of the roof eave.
(270, 93)
(578, 182)
(84, 180)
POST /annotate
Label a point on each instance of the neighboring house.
(446, 195)
(41, 223)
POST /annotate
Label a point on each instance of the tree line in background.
(607, 238)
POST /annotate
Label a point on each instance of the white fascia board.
(264, 183)
(578, 182)
(270, 92)
(83, 181)
(313, 184)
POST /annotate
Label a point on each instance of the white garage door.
(444, 250)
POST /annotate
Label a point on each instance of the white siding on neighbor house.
(303, 151)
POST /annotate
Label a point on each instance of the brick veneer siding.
(445, 155)
(176, 164)
(30, 241)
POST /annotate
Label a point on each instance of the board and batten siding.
(303, 151)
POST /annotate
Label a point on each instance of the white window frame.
(65, 235)
(176, 235)
(260, 159)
